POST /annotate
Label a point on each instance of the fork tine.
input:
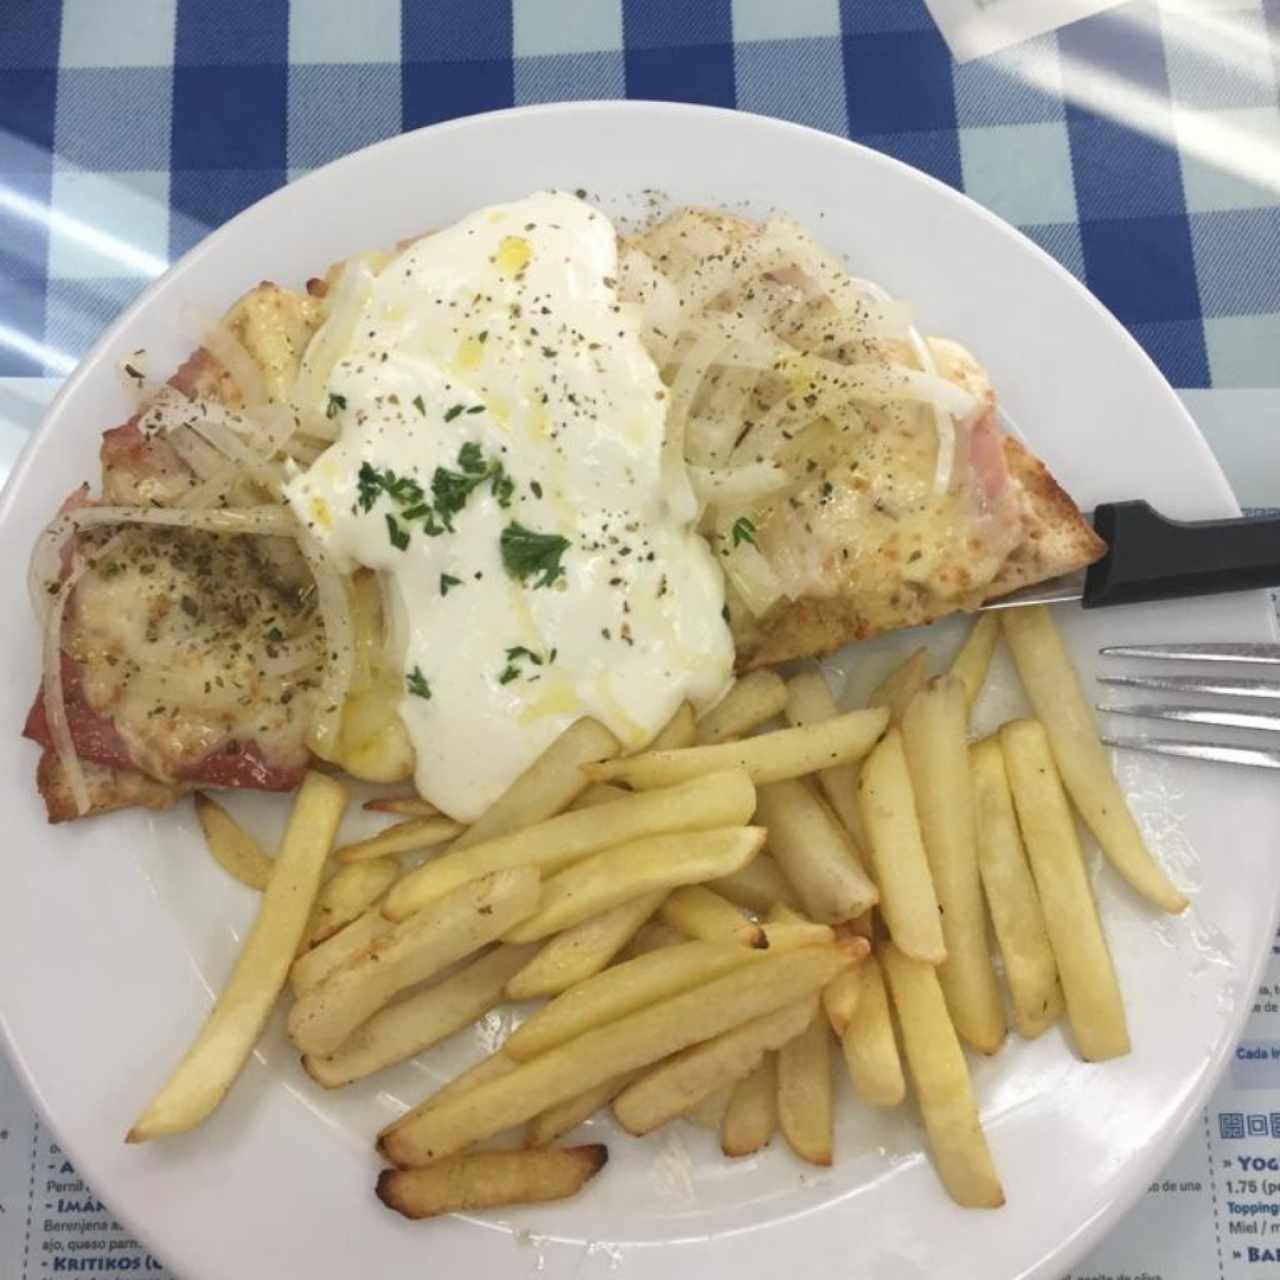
(1199, 751)
(1196, 715)
(1215, 652)
(1232, 686)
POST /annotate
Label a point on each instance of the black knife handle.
(1152, 558)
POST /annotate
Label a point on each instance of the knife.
(1150, 557)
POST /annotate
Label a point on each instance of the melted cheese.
(503, 336)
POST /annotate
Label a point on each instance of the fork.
(1247, 687)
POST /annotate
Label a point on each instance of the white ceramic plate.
(114, 933)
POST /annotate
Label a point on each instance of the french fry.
(804, 1090)
(346, 894)
(489, 1179)
(583, 950)
(809, 701)
(709, 1111)
(416, 949)
(494, 1067)
(768, 757)
(934, 737)
(755, 698)
(972, 663)
(680, 731)
(1016, 913)
(233, 848)
(941, 1078)
(869, 1045)
(547, 786)
(701, 913)
(1089, 986)
(752, 1115)
(439, 1129)
(407, 1027)
(840, 1000)
(402, 806)
(622, 990)
(1053, 688)
(718, 800)
(908, 901)
(639, 867)
(787, 936)
(652, 937)
(674, 1086)
(902, 684)
(202, 1078)
(814, 852)
(403, 837)
(599, 793)
(757, 886)
(555, 1121)
(312, 967)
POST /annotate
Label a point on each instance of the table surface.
(1140, 147)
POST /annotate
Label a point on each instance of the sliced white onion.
(753, 578)
(739, 487)
(55, 705)
(339, 638)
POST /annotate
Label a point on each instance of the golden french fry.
(547, 786)
(402, 806)
(652, 937)
(902, 684)
(934, 737)
(555, 1121)
(1053, 688)
(1016, 913)
(406, 1027)
(757, 886)
(709, 1111)
(494, 1067)
(312, 967)
(680, 731)
(718, 800)
(809, 701)
(599, 793)
(1088, 977)
(755, 698)
(583, 950)
(673, 1087)
(814, 852)
(346, 894)
(869, 1045)
(908, 901)
(621, 990)
(804, 1090)
(973, 661)
(233, 848)
(416, 949)
(210, 1066)
(752, 1115)
(489, 1179)
(788, 935)
(701, 913)
(403, 837)
(769, 757)
(840, 1000)
(631, 870)
(941, 1078)
(438, 1129)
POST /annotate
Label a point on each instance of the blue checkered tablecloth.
(129, 128)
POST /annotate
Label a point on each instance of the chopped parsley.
(509, 673)
(519, 651)
(449, 493)
(417, 684)
(399, 537)
(526, 554)
(514, 655)
(420, 405)
(743, 531)
(336, 403)
(453, 411)
(447, 580)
